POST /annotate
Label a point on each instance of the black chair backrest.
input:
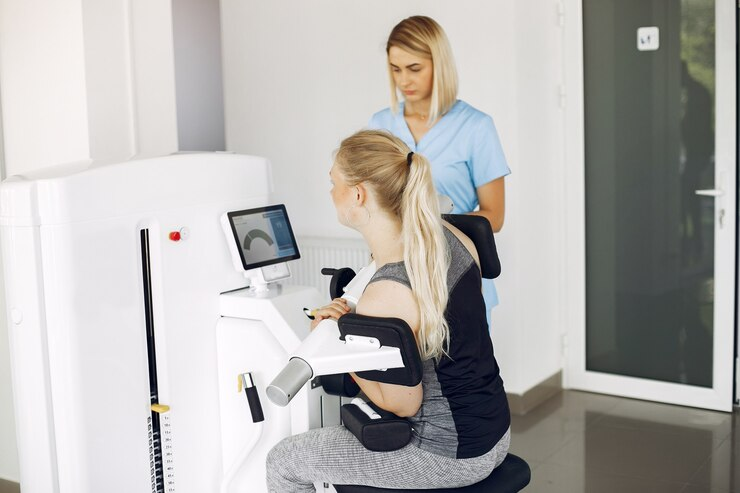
(479, 230)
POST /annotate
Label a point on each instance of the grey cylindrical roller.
(289, 381)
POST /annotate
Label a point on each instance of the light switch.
(648, 38)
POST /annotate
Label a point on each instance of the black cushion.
(511, 476)
(379, 435)
(392, 332)
(479, 230)
(341, 384)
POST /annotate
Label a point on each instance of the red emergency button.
(175, 236)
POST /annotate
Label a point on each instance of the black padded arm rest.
(379, 435)
(340, 384)
(392, 332)
(479, 230)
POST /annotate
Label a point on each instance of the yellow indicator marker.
(160, 408)
(244, 381)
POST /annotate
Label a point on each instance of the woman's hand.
(335, 309)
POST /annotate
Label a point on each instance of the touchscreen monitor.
(263, 236)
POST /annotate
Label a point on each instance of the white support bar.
(324, 353)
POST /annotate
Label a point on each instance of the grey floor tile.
(637, 453)
(9, 487)
(692, 488)
(721, 472)
(542, 432)
(533, 465)
(541, 440)
(568, 406)
(668, 418)
(550, 478)
(579, 441)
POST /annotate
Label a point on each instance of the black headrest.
(479, 230)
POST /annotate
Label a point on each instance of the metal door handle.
(709, 193)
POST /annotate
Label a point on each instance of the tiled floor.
(8, 487)
(580, 442)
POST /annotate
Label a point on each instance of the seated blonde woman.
(428, 275)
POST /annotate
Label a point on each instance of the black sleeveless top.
(464, 411)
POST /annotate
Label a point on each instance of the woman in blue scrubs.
(468, 163)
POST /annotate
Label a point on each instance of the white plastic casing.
(73, 270)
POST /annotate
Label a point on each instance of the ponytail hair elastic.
(408, 157)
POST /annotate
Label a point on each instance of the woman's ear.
(360, 194)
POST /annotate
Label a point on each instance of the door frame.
(575, 375)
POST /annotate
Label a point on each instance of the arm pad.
(379, 435)
(389, 332)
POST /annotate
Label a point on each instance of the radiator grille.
(320, 252)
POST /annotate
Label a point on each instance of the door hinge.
(564, 345)
(561, 13)
(736, 397)
(563, 94)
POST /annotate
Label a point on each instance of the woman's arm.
(491, 198)
(391, 299)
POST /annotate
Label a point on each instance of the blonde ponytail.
(403, 186)
(426, 256)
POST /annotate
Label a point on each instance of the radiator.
(318, 252)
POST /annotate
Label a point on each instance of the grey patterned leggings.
(334, 455)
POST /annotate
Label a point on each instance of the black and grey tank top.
(464, 411)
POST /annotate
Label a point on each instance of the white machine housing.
(87, 348)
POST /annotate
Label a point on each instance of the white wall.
(80, 79)
(129, 78)
(8, 455)
(299, 76)
(530, 318)
(43, 68)
(200, 100)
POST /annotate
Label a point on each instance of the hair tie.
(408, 157)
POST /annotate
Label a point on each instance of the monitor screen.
(263, 236)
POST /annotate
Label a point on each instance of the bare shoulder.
(390, 299)
(467, 242)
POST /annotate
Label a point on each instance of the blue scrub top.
(465, 152)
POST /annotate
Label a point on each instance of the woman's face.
(413, 75)
(342, 194)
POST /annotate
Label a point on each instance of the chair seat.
(511, 476)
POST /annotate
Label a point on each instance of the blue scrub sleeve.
(377, 122)
(487, 162)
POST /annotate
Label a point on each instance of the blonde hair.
(380, 160)
(423, 37)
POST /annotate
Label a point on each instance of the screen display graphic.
(264, 236)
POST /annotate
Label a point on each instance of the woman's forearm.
(492, 202)
(495, 218)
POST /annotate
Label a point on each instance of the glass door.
(659, 211)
